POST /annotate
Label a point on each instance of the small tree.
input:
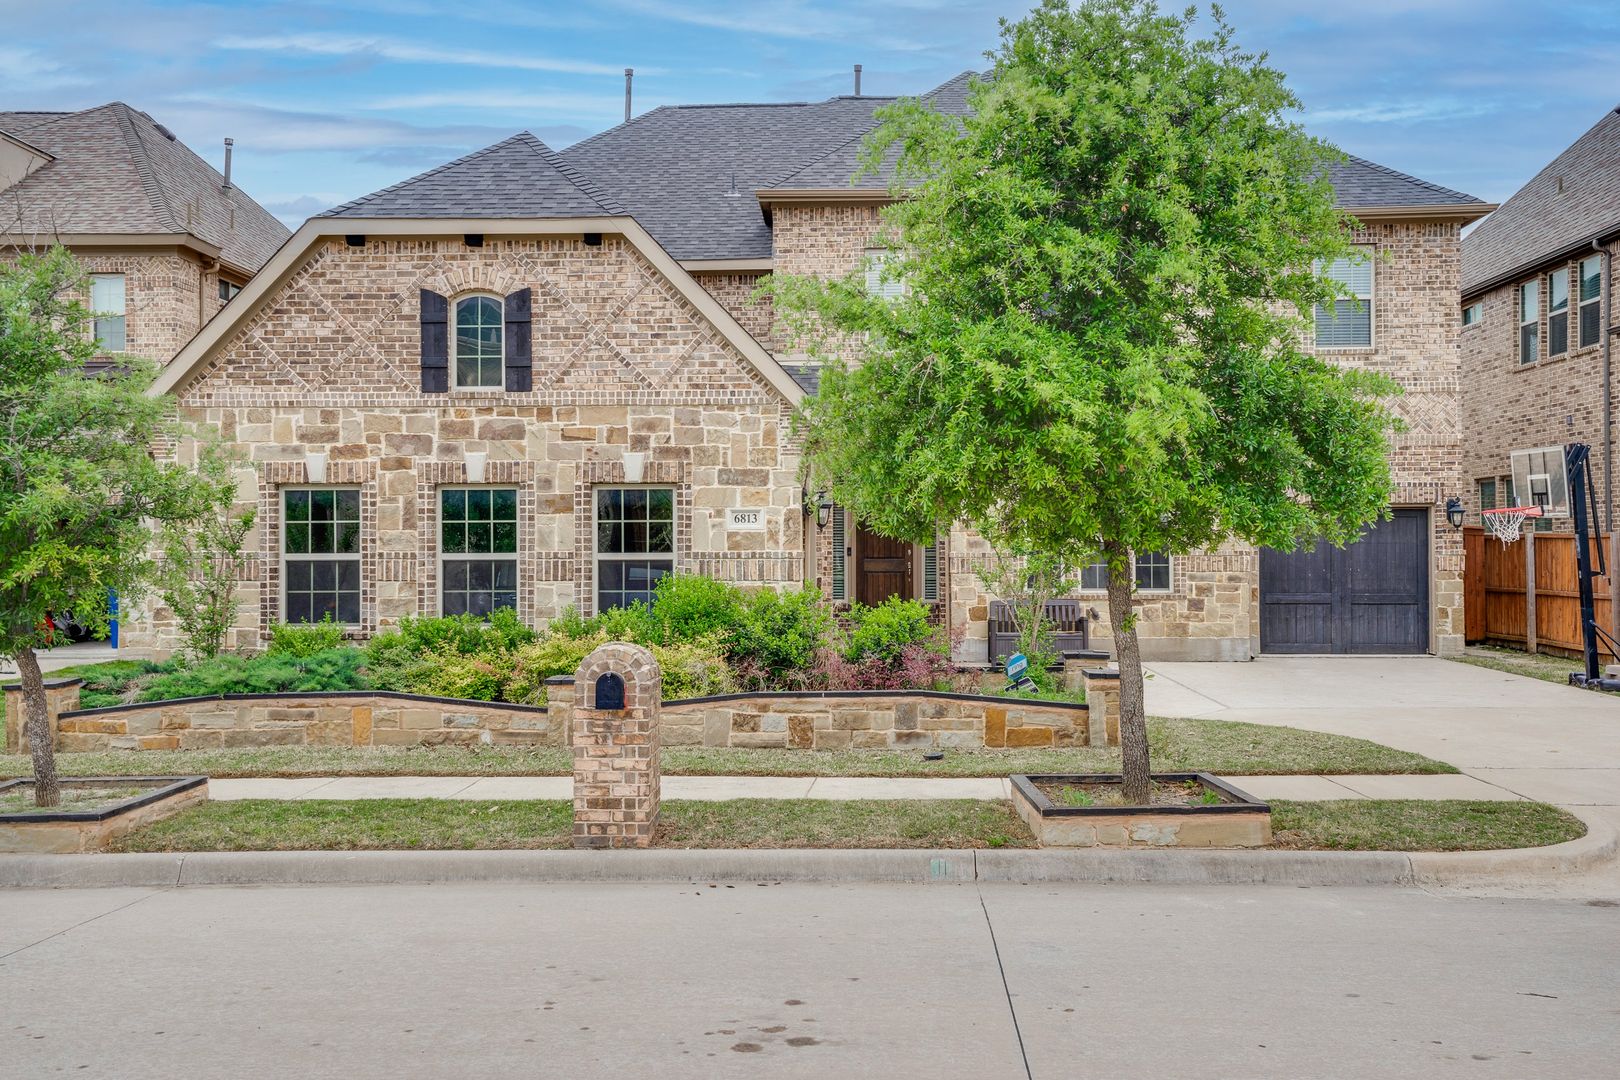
(1100, 346)
(1026, 581)
(77, 478)
(197, 576)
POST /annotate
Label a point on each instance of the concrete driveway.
(1554, 743)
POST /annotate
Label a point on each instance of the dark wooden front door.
(884, 568)
(1370, 597)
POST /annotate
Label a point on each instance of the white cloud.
(25, 69)
(545, 102)
(324, 44)
(1416, 111)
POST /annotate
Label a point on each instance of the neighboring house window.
(876, 284)
(477, 362)
(228, 290)
(1152, 574)
(1472, 314)
(477, 550)
(320, 549)
(1558, 312)
(635, 543)
(1346, 323)
(107, 307)
(1591, 299)
(1529, 322)
(1487, 495)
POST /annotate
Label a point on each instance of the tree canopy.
(1101, 345)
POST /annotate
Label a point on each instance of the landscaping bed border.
(62, 832)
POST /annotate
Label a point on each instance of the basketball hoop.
(1506, 522)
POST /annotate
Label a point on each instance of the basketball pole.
(1578, 479)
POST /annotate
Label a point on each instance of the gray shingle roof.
(1568, 204)
(1361, 184)
(117, 171)
(688, 173)
(516, 178)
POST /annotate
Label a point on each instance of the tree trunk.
(37, 725)
(1133, 742)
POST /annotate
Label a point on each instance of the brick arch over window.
(496, 276)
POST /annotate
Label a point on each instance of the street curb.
(1049, 865)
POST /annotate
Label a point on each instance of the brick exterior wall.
(622, 362)
(167, 297)
(1508, 405)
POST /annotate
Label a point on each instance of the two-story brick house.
(1537, 324)
(165, 239)
(539, 379)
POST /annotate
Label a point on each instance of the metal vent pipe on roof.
(857, 80)
(228, 144)
(629, 73)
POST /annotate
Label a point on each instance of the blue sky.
(328, 101)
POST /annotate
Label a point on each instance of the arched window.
(478, 343)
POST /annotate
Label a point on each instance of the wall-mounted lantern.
(824, 508)
(1455, 512)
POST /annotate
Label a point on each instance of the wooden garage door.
(1370, 597)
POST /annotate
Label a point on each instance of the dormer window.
(477, 362)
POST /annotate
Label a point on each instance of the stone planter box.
(62, 831)
(1238, 820)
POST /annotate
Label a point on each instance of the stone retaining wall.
(872, 720)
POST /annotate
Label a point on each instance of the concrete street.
(583, 981)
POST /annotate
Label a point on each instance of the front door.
(884, 568)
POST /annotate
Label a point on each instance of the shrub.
(634, 623)
(115, 682)
(689, 668)
(479, 677)
(917, 666)
(554, 654)
(304, 639)
(777, 638)
(883, 632)
(455, 634)
(332, 669)
(690, 607)
(693, 669)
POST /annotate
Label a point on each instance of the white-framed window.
(1347, 322)
(877, 259)
(1530, 321)
(320, 554)
(228, 290)
(1153, 573)
(1591, 312)
(478, 538)
(477, 343)
(107, 299)
(1558, 312)
(635, 543)
(1472, 314)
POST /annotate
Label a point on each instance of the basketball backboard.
(1540, 479)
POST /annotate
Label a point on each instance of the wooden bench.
(1068, 628)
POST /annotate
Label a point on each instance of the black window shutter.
(435, 343)
(519, 345)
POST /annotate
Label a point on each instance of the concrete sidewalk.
(720, 788)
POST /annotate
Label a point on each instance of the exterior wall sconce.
(1455, 512)
(315, 467)
(824, 508)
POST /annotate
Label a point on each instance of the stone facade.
(1509, 405)
(623, 363)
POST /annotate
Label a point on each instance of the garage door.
(1372, 596)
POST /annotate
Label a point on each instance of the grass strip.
(1419, 825)
(423, 824)
(1216, 746)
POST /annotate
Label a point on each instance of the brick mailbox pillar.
(614, 730)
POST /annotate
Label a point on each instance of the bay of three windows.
(1555, 289)
(633, 547)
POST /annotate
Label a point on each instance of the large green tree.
(79, 482)
(1109, 266)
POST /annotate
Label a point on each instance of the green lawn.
(1348, 825)
(1420, 825)
(265, 825)
(1554, 669)
(20, 800)
(1211, 745)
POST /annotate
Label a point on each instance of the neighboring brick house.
(539, 379)
(165, 239)
(1537, 325)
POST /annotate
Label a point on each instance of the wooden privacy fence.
(1500, 607)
